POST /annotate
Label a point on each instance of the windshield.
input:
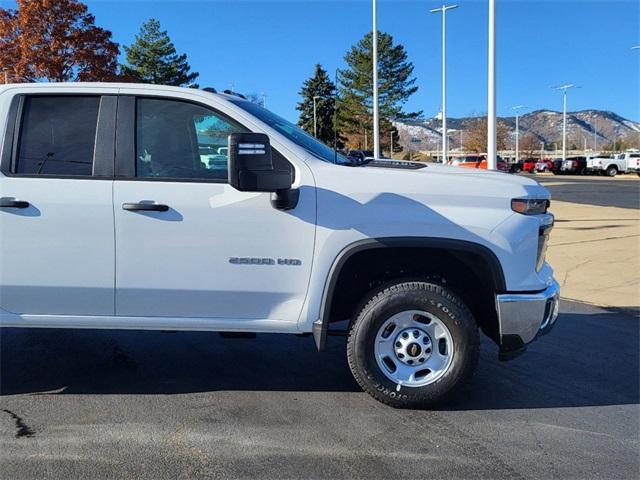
(292, 132)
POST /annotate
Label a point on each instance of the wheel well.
(468, 274)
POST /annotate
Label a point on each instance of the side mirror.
(251, 167)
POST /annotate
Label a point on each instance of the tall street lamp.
(492, 161)
(391, 145)
(376, 119)
(443, 11)
(517, 108)
(315, 120)
(564, 89)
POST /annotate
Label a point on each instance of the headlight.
(530, 206)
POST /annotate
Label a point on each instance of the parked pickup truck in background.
(110, 218)
(574, 166)
(545, 165)
(633, 162)
(610, 165)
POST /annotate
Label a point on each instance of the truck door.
(57, 249)
(190, 245)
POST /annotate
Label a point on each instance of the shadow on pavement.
(589, 359)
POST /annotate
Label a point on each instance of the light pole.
(564, 89)
(517, 108)
(391, 147)
(439, 117)
(491, 90)
(315, 121)
(443, 11)
(376, 119)
(595, 135)
(264, 100)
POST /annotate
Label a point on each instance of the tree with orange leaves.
(54, 40)
(475, 139)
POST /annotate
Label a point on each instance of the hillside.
(545, 125)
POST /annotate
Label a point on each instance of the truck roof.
(52, 86)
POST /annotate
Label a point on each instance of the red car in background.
(478, 160)
(529, 165)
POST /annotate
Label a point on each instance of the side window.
(181, 140)
(57, 136)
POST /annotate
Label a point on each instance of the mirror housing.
(251, 166)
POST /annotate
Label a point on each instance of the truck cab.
(150, 207)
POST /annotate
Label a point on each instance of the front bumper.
(524, 316)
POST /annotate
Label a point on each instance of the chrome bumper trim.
(527, 315)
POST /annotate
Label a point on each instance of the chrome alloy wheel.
(413, 348)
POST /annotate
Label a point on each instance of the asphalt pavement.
(622, 192)
(119, 404)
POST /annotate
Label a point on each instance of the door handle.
(146, 207)
(11, 203)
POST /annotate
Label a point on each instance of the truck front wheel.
(412, 344)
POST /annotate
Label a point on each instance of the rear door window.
(57, 136)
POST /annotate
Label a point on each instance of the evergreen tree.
(395, 85)
(153, 59)
(320, 86)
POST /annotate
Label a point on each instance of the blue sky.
(272, 46)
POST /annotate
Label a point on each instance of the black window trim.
(103, 165)
(125, 145)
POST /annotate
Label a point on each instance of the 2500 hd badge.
(264, 261)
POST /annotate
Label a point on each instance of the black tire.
(385, 302)
(611, 171)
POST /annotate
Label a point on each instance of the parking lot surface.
(119, 404)
(104, 404)
(621, 192)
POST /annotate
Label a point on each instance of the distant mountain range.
(586, 127)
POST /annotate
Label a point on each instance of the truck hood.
(457, 181)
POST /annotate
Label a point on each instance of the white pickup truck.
(633, 161)
(109, 218)
(611, 165)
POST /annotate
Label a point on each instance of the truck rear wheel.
(612, 171)
(412, 344)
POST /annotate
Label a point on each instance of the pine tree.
(153, 59)
(395, 85)
(320, 86)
